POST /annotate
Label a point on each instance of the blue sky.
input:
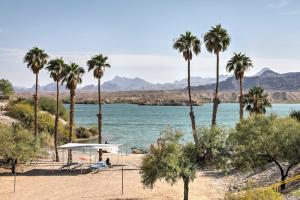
(137, 35)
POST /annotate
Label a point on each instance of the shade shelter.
(111, 148)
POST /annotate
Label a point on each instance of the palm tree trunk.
(36, 105)
(99, 120)
(216, 100)
(72, 103)
(192, 116)
(186, 189)
(56, 122)
(241, 99)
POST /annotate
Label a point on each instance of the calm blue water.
(135, 125)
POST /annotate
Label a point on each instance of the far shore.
(165, 98)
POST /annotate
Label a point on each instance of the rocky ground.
(264, 177)
(3, 118)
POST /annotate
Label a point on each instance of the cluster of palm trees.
(217, 40)
(71, 75)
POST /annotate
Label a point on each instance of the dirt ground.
(44, 180)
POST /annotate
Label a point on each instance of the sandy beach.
(44, 180)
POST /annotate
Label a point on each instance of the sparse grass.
(296, 193)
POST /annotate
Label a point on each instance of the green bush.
(63, 134)
(255, 194)
(7, 88)
(170, 160)
(93, 130)
(17, 145)
(259, 140)
(212, 148)
(46, 140)
(25, 113)
(48, 104)
(296, 115)
(82, 132)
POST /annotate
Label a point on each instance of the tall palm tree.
(55, 68)
(36, 59)
(257, 101)
(98, 63)
(72, 76)
(216, 40)
(187, 44)
(239, 64)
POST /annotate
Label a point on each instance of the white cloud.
(278, 3)
(154, 68)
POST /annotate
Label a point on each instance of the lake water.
(134, 125)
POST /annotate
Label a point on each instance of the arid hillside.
(173, 97)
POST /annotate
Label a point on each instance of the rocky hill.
(269, 80)
(127, 84)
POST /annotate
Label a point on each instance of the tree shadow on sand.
(50, 172)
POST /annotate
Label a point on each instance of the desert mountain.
(268, 79)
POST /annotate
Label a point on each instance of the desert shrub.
(170, 160)
(17, 144)
(48, 104)
(45, 140)
(259, 140)
(296, 115)
(93, 130)
(212, 148)
(259, 194)
(63, 134)
(46, 123)
(82, 132)
(23, 112)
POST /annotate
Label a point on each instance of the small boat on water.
(138, 150)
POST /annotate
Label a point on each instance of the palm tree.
(55, 68)
(98, 63)
(72, 76)
(187, 44)
(257, 101)
(36, 59)
(239, 64)
(216, 40)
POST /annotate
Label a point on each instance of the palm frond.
(187, 44)
(35, 59)
(98, 63)
(217, 39)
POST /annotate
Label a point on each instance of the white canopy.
(113, 148)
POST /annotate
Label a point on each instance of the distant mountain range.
(51, 87)
(128, 84)
(266, 78)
